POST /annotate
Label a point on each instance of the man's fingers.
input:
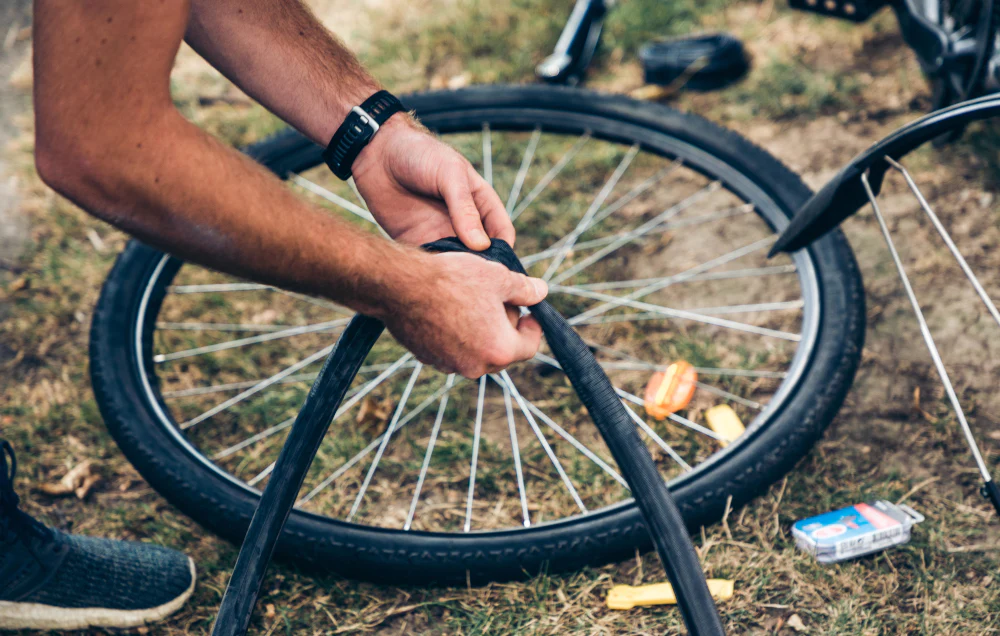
(529, 338)
(513, 315)
(457, 193)
(491, 210)
(524, 291)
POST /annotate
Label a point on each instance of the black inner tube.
(651, 494)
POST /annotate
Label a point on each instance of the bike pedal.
(853, 10)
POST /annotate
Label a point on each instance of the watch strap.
(358, 128)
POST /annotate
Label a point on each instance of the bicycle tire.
(325, 544)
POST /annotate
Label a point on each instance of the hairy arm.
(418, 188)
(303, 74)
(109, 138)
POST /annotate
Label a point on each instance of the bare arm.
(280, 55)
(109, 138)
(418, 188)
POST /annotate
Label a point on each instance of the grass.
(791, 88)
(884, 443)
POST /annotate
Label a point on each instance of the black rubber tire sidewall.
(381, 555)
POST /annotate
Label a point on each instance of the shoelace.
(12, 518)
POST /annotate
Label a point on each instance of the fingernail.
(541, 288)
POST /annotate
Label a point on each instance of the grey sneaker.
(53, 580)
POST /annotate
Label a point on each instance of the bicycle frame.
(576, 45)
(961, 61)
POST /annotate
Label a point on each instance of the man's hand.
(420, 189)
(461, 317)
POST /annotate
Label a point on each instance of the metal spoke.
(352, 400)
(638, 365)
(629, 196)
(522, 172)
(688, 273)
(516, 453)
(240, 287)
(604, 213)
(487, 155)
(217, 326)
(333, 198)
(259, 477)
(385, 439)
(990, 305)
(312, 300)
(604, 240)
(372, 445)
(641, 423)
(643, 229)
(251, 340)
(549, 176)
(541, 439)
(372, 384)
(235, 386)
(216, 287)
(702, 219)
(575, 443)
(783, 305)
(736, 273)
(477, 432)
(260, 386)
(683, 421)
(730, 396)
(578, 445)
(357, 193)
(430, 450)
(679, 314)
(274, 430)
(780, 375)
(928, 338)
(598, 201)
(707, 311)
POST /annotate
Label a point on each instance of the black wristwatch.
(357, 130)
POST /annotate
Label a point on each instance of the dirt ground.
(820, 93)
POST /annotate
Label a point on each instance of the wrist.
(358, 130)
(389, 134)
(398, 281)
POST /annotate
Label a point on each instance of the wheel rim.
(534, 162)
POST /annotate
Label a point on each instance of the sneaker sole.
(37, 616)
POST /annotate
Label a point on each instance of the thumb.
(525, 291)
(529, 338)
(457, 194)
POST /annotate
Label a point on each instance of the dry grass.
(894, 439)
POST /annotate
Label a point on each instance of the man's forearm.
(109, 137)
(304, 75)
(188, 194)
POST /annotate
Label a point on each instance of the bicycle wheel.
(651, 226)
